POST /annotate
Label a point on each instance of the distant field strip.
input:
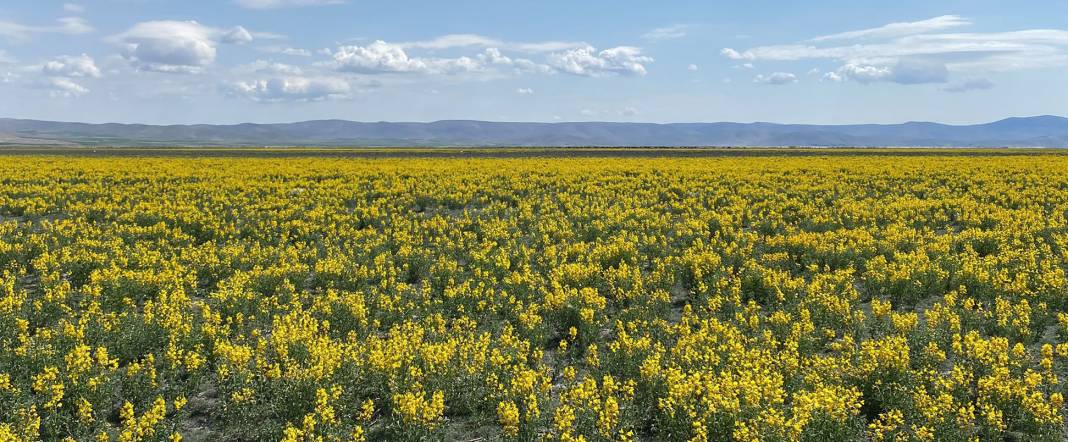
(511, 152)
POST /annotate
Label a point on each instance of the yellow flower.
(48, 382)
(358, 434)
(367, 410)
(508, 417)
(85, 411)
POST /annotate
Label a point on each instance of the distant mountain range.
(1042, 131)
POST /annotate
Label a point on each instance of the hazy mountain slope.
(1045, 131)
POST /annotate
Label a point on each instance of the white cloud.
(864, 73)
(975, 84)
(73, 8)
(906, 71)
(67, 25)
(452, 41)
(381, 57)
(666, 33)
(832, 76)
(261, 35)
(293, 88)
(900, 29)
(494, 57)
(911, 53)
(5, 58)
(236, 35)
(58, 74)
(524, 91)
(71, 66)
(269, 67)
(473, 40)
(692, 67)
(543, 46)
(60, 87)
(777, 78)
(294, 52)
(629, 111)
(588, 112)
(587, 61)
(175, 46)
(276, 4)
(919, 71)
(731, 54)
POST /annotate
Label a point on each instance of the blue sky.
(231, 61)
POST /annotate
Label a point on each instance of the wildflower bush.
(871, 297)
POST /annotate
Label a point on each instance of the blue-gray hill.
(1042, 131)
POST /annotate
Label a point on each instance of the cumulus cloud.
(917, 52)
(524, 91)
(777, 78)
(494, 57)
(380, 57)
(732, 54)
(67, 25)
(863, 73)
(58, 75)
(692, 67)
(61, 87)
(916, 71)
(71, 66)
(974, 84)
(293, 88)
(587, 61)
(629, 111)
(176, 46)
(276, 4)
(666, 33)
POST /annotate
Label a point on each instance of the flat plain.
(533, 294)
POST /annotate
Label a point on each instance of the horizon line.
(538, 122)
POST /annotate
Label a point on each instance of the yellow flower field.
(764, 298)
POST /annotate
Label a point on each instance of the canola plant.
(842, 298)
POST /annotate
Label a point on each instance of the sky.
(262, 61)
